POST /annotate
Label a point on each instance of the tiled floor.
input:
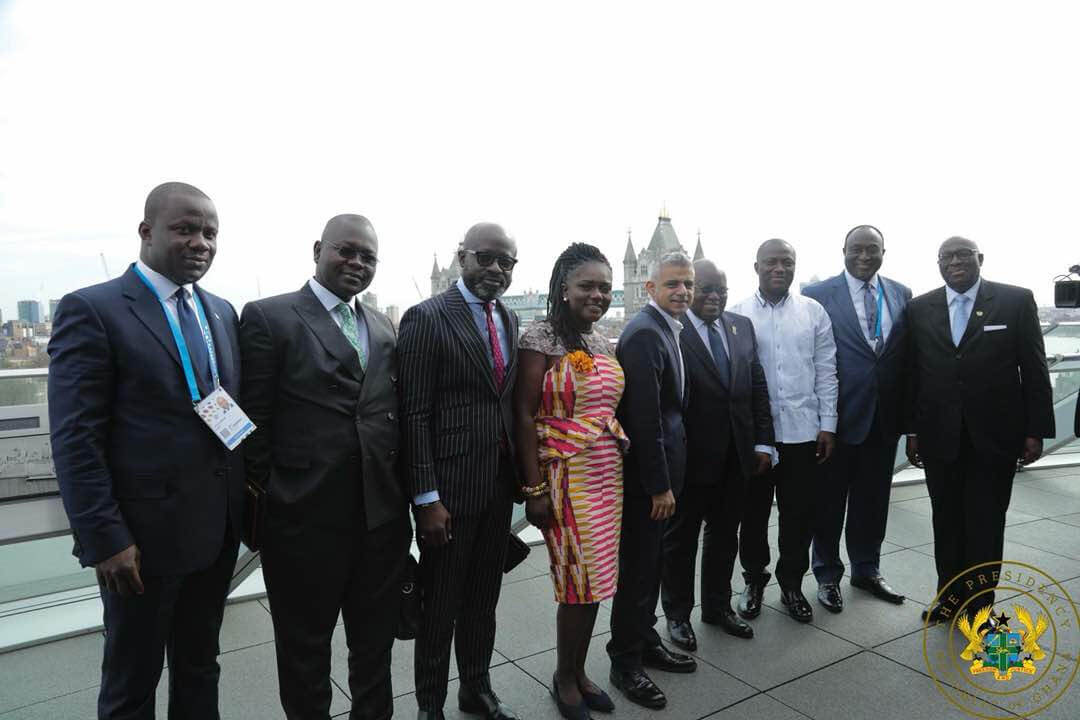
(866, 662)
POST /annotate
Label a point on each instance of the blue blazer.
(134, 462)
(868, 384)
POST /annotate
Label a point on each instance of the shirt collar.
(164, 287)
(764, 302)
(855, 284)
(671, 320)
(467, 294)
(698, 322)
(328, 299)
(971, 292)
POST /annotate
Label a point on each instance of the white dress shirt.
(330, 301)
(797, 350)
(950, 300)
(676, 328)
(166, 289)
(476, 307)
(702, 328)
(855, 286)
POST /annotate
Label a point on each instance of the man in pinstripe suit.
(457, 356)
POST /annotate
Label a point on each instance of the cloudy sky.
(564, 121)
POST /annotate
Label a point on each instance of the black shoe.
(935, 615)
(430, 715)
(483, 703)
(639, 688)
(729, 622)
(682, 634)
(797, 605)
(660, 658)
(828, 594)
(877, 587)
(570, 712)
(750, 602)
(599, 701)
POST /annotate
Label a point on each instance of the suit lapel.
(318, 320)
(846, 305)
(983, 306)
(939, 317)
(145, 306)
(673, 349)
(222, 343)
(727, 324)
(378, 342)
(895, 302)
(510, 323)
(691, 341)
(462, 325)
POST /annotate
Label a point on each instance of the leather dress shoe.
(828, 594)
(430, 715)
(484, 703)
(877, 587)
(935, 616)
(750, 601)
(660, 658)
(599, 701)
(638, 688)
(797, 605)
(682, 634)
(729, 622)
(570, 712)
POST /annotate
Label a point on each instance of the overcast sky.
(564, 121)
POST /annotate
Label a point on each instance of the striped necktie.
(352, 334)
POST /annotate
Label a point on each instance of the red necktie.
(496, 349)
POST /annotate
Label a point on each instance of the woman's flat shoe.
(599, 701)
(570, 712)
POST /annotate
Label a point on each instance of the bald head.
(710, 290)
(481, 233)
(775, 245)
(960, 263)
(340, 225)
(487, 257)
(864, 249)
(346, 256)
(775, 267)
(159, 197)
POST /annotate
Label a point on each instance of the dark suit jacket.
(995, 385)
(327, 438)
(719, 410)
(868, 384)
(651, 409)
(454, 420)
(134, 462)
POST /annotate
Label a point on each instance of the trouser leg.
(633, 614)
(868, 504)
(754, 531)
(797, 483)
(680, 551)
(720, 544)
(836, 479)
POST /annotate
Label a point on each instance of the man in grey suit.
(867, 314)
(322, 390)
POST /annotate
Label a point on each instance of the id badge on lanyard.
(218, 410)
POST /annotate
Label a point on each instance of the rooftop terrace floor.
(866, 662)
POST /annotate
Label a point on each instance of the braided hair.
(558, 310)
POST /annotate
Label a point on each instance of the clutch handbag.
(516, 552)
(254, 514)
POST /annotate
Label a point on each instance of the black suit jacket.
(327, 438)
(454, 419)
(719, 410)
(134, 462)
(651, 409)
(995, 385)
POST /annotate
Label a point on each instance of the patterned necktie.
(719, 356)
(196, 343)
(870, 306)
(496, 347)
(348, 326)
(959, 318)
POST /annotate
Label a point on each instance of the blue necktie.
(960, 315)
(719, 356)
(870, 308)
(196, 343)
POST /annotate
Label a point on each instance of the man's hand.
(912, 451)
(762, 463)
(1032, 450)
(826, 442)
(433, 525)
(663, 505)
(120, 573)
(540, 512)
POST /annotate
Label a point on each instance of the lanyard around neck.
(880, 296)
(178, 338)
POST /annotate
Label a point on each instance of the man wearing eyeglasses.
(321, 387)
(867, 313)
(458, 366)
(979, 401)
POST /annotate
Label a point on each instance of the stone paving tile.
(1067, 485)
(514, 686)
(912, 573)
(1050, 535)
(1027, 499)
(1073, 519)
(899, 493)
(690, 695)
(921, 506)
(245, 624)
(47, 671)
(526, 618)
(759, 707)
(907, 529)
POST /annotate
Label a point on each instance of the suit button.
(393, 453)
(390, 416)
(959, 356)
(353, 458)
(332, 388)
(220, 472)
(393, 378)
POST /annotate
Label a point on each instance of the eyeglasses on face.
(710, 289)
(485, 257)
(347, 252)
(962, 254)
(857, 250)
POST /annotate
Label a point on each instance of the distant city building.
(442, 279)
(30, 311)
(52, 309)
(394, 313)
(18, 330)
(371, 300)
(637, 268)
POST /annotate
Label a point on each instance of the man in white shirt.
(798, 353)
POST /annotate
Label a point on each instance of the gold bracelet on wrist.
(535, 491)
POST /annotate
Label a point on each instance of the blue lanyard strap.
(880, 296)
(178, 338)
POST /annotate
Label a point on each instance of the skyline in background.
(564, 123)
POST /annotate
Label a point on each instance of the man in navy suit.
(867, 314)
(154, 498)
(651, 412)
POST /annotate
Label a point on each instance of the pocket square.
(992, 328)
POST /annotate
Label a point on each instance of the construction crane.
(105, 266)
(417, 286)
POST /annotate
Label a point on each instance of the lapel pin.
(734, 331)
(978, 313)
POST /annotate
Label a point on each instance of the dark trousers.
(312, 573)
(969, 496)
(641, 562)
(796, 480)
(719, 506)
(461, 582)
(178, 616)
(858, 478)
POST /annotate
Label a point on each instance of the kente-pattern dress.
(581, 447)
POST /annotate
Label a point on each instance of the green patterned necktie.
(348, 326)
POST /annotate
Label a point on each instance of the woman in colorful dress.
(571, 448)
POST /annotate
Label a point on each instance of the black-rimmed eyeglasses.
(350, 253)
(963, 254)
(485, 257)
